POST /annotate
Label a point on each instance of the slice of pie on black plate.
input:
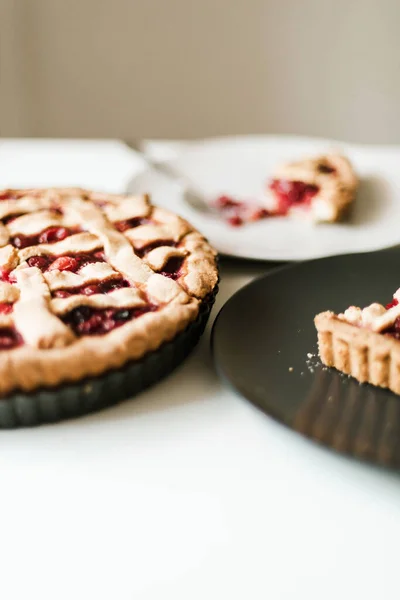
(364, 343)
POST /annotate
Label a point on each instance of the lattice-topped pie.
(90, 281)
(364, 343)
(322, 188)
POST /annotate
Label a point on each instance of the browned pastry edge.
(200, 273)
(365, 355)
(26, 368)
(343, 194)
(343, 203)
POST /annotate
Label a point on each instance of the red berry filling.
(394, 302)
(8, 196)
(288, 194)
(9, 338)
(394, 330)
(41, 262)
(5, 275)
(130, 223)
(224, 202)
(237, 213)
(65, 263)
(48, 236)
(101, 287)
(85, 320)
(5, 308)
(172, 268)
(292, 193)
(235, 221)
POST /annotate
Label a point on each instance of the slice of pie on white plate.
(364, 343)
(321, 188)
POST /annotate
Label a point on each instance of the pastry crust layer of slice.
(366, 355)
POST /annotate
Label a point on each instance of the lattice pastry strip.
(158, 257)
(9, 258)
(137, 207)
(120, 298)
(91, 273)
(25, 204)
(80, 242)
(8, 293)
(32, 315)
(34, 223)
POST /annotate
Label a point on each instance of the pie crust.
(363, 350)
(164, 270)
(335, 187)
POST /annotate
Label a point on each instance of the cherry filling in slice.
(5, 275)
(131, 223)
(173, 267)
(394, 302)
(100, 287)
(5, 308)
(48, 236)
(85, 320)
(72, 262)
(393, 330)
(292, 193)
(9, 338)
(287, 193)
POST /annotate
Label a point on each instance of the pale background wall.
(184, 68)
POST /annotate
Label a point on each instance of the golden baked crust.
(335, 178)
(138, 251)
(366, 355)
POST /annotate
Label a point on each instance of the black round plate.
(263, 338)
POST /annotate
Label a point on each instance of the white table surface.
(189, 492)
